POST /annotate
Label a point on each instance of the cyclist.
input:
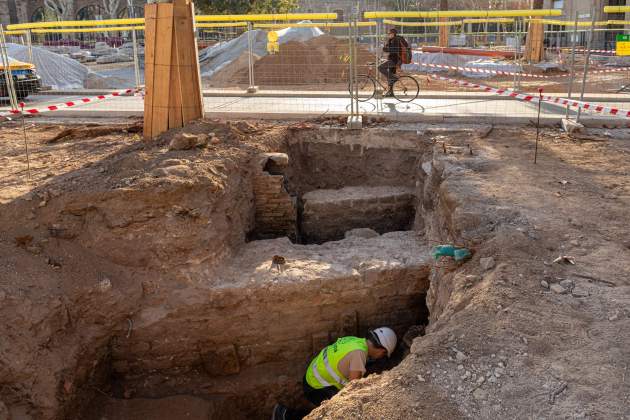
(395, 46)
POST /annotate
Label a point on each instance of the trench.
(342, 209)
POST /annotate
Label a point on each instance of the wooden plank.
(185, 38)
(161, 91)
(150, 13)
(196, 68)
(175, 103)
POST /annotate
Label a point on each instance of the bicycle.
(405, 88)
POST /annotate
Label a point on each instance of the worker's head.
(392, 33)
(381, 342)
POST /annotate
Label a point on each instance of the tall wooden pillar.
(444, 32)
(172, 78)
(535, 42)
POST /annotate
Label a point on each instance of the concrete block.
(355, 122)
(571, 126)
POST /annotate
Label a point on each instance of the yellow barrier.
(75, 23)
(566, 22)
(311, 25)
(399, 23)
(616, 9)
(619, 22)
(87, 30)
(14, 32)
(221, 25)
(258, 18)
(463, 13)
(200, 18)
(497, 20)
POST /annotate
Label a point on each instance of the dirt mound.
(321, 60)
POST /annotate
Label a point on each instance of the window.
(558, 4)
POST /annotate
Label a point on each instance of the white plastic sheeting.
(459, 60)
(214, 58)
(56, 70)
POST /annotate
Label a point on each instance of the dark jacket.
(393, 47)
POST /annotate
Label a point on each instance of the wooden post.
(172, 78)
(444, 31)
(535, 43)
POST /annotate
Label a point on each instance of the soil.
(501, 344)
(321, 61)
(122, 261)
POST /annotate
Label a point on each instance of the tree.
(61, 8)
(244, 7)
(111, 8)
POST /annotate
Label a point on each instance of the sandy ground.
(518, 336)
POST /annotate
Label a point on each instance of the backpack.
(405, 52)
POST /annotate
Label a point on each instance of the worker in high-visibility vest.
(336, 365)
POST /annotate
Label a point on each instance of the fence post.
(350, 71)
(377, 55)
(29, 45)
(250, 58)
(7, 71)
(587, 58)
(517, 43)
(136, 64)
(572, 78)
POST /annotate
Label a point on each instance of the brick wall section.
(328, 214)
(275, 209)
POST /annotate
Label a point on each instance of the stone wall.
(328, 214)
(252, 331)
(276, 210)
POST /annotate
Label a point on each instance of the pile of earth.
(324, 59)
(216, 57)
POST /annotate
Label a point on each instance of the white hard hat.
(387, 339)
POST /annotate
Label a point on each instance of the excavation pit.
(240, 339)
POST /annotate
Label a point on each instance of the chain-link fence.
(258, 67)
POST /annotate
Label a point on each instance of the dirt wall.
(337, 158)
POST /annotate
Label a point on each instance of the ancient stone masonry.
(328, 214)
(276, 210)
(248, 325)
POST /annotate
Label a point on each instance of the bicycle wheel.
(367, 87)
(406, 89)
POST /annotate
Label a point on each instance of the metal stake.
(538, 124)
(572, 78)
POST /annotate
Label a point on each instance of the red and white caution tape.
(601, 109)
(69, 104)
(507, 73)
(484, 71)
(583, 51)
(612, 70)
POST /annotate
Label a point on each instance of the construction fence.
(312, 64)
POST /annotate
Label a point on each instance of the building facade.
(17, 11)
(603, 38)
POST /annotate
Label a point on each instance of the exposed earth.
(136, 279)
